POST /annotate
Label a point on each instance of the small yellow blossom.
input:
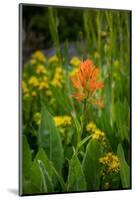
(24, 87)
(41, 69)
(37, 118)
(62, 120)
(58, 121)
(33, 81)
(48, 93)
(110, 162)
(34, 94)
(38, 55)
(73, 72)
(45, 78)
(43, 85)
(58, 78)
(53, 59)
(98, 135)
(66, 120)
(33, 61)
(75, 61)
(91, 127)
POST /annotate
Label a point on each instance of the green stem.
(83, 117)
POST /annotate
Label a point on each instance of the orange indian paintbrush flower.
(86, 82)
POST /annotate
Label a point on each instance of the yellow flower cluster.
(37, 118)
(53, 59)
(75, 61)
(43, 85)
(96, 133)
(24, 87)
(25, 90)
(33, 94)
(38, 55)
(58, 77)
(41, 69)
(40, 84)
(33, 81)
(110, 162)
(48, 93)
(62, 121)
(91, 127)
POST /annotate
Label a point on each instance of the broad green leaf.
(49, 139)
(26, 157)
(91, 165)
(76, 178)
(124, 168)
(35, 175)
(47, 181)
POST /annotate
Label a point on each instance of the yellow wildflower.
(38, 55)
(75, 61)
(53, 59)
(33, 61)
(58, 120)
(73, 72)
(48, 93)
(24, 87)
(91, 127)
(41, 69)
(37, 118)
(33, 81)
(58, 77)
(43, 85)
(45, 78)
(66, 120)
(98, 135)
(110, 162)
(62, 120)
(34, 94)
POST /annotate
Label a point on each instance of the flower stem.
(83, 117)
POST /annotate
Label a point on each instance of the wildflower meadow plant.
(76, 103)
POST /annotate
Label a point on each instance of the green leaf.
(83, 141)
(62, 99)
(124, 168)
(60, 179)
(76, 178)
(91, 165)
(36, 176)
(49, 139)
(26, 158)
(47, 182)
(28, 187)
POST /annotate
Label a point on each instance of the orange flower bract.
(85, 81)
